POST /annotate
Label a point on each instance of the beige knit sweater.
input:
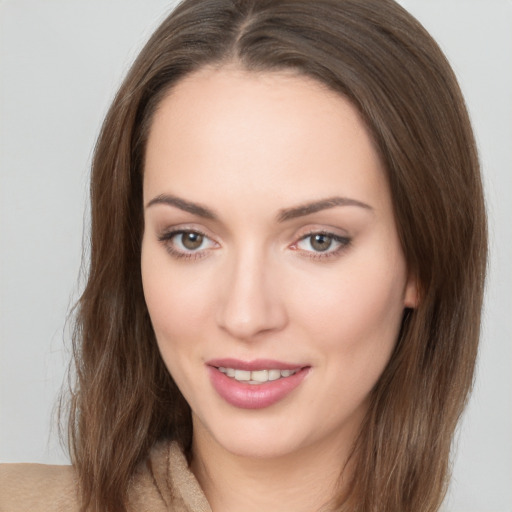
(162, 483)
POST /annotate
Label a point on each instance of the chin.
(265, 436)
(253, 437)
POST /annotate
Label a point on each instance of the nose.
(251, 302)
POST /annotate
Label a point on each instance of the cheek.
(357, 311)
(176, 301)
(177, 304)
(353, 321)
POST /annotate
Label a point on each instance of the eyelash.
(166, 239)
(343, 241)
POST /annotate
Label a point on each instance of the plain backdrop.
(60, 64)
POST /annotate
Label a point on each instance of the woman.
(287, 261)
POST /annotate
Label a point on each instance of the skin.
(247, 146)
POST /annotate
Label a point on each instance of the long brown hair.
(377, 55)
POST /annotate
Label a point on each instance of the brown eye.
(191, 240)
(184, 243)
(321, 242)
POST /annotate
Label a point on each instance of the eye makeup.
(321, 245)
(193, 244)
(189, 244)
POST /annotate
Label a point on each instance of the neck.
(306, 480)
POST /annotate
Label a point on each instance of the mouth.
(255, 384)
(256, 377)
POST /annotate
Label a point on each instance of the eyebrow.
(283, 215)
(316, 206)
(187, 206)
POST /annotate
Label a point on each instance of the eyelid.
(167, 236)
(344, 242)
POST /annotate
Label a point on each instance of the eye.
(326, 243)
(187, 243)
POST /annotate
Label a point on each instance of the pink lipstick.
(254, 384)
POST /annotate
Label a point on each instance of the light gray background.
(60, 64)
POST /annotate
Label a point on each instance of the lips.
(254, 384)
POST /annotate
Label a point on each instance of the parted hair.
(374, 53)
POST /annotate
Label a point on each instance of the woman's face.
(271, 265)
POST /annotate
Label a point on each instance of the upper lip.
(255, 364)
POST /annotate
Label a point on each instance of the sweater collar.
(183, 483)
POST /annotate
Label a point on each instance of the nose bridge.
(250, 303)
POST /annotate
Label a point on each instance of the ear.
(411, 294)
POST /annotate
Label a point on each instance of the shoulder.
(37, 487)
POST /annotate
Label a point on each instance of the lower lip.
(254, 396)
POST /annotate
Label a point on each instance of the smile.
(256, 376)
(255, 384)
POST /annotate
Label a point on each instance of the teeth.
(274, 374)
(256, 376)
(242, 375)
(259, 376)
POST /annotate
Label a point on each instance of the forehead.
(277, 134)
